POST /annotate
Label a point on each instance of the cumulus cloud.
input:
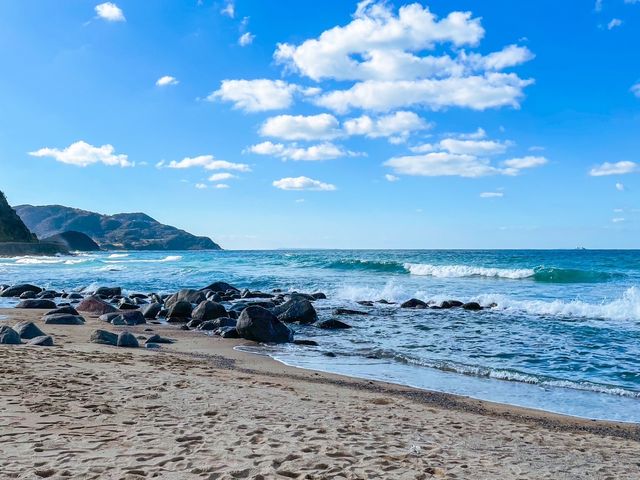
(615, 22)
(218, 177)
(246, 39)
(83, 154)
(229, 9)
(397, 126)
(208, 162)
(166, 81)
(299, 127)
(303, 183)
(110, 12)
(617, 168)
(491, 195)
(319, 152)
(259, 95)
(524, 162)
(478, 92)
(473, 147)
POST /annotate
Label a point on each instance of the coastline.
(339, 420)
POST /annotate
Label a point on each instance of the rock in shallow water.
(333, 324)
(296, 310)
(414, 303)
(260, 325)
(17, 290)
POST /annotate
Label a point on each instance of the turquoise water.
(564, 337)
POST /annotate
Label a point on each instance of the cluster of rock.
(447, 304)
(28, 331)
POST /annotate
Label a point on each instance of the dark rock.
(129, 317)
(158, 339)
(301, 296)
(138, 295)
(46, 295)
(208, 310)
(333, 324)
(184, 327)
(473, 306)
(108, 291)
(108, 317)
(17, 290)
(385, 302)
(8, 336)
(228, 332)
(28, 330)
(42, 341)
(296, 310)
(95, 306)
(455, 303)
(151, 345)
(248, 294)
(414, 303)
(127, 304)
(365, 303)
(105, 338)
(74, 296)
(307, 343)
(319, 296)
(180, 311)
(194, 323)
(125, 339)
(217, 323)
(63, 309)
(346, 311)
(63, 319)
(27, 295)
(259, 324)
(221, 287)
(185, 295)
(329, 354)
(39, 303)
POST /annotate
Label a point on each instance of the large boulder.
(180, 311)
(414, 303)
(333, 324)
(296, 310)
(126, 339)
(473, 306)
(260, 325)
(8, 336)
(63, 319)
(347, 311)
(95, 306)
(185, 295)
(151, 311)
(158, 339)
(104, 338)
(28, 330)
(208, 310)
(66, 309)
(128, 317)
(221, 287)
(17, 290)
(37, 303)
(218, 323)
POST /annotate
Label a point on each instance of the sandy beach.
(200, 409)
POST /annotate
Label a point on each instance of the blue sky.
(440, 124)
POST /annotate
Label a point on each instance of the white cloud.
(83, 154)
(479, 134)
(398, 126)
(217, 177)
(423, 148)
(615, 22)
(473, 147)
(491, 195)
(620, 187)
(439, 164)
(110, 12)
(246, 39)
(635, 89)
(166, 81)
(259, 95)
(477, 92)
(201, 186)
(221, 186)
(322, 151)
(229, 9)
(391, 178)
(303, 183)
(618, 168)
(299, 127)
(617, 220)
(208, 162)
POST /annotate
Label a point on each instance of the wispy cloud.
(303, 183)
(208, 162)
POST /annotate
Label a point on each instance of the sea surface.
(564, 336)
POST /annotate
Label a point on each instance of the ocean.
(564, 335)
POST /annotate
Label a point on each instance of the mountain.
(12, 229)
(128, 231)
(73, 241)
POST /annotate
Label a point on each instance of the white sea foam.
(49, 260)
(459, 271)
(118, 255)
(626, 307)
(169, 258)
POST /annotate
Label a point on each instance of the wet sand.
(200, 409)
